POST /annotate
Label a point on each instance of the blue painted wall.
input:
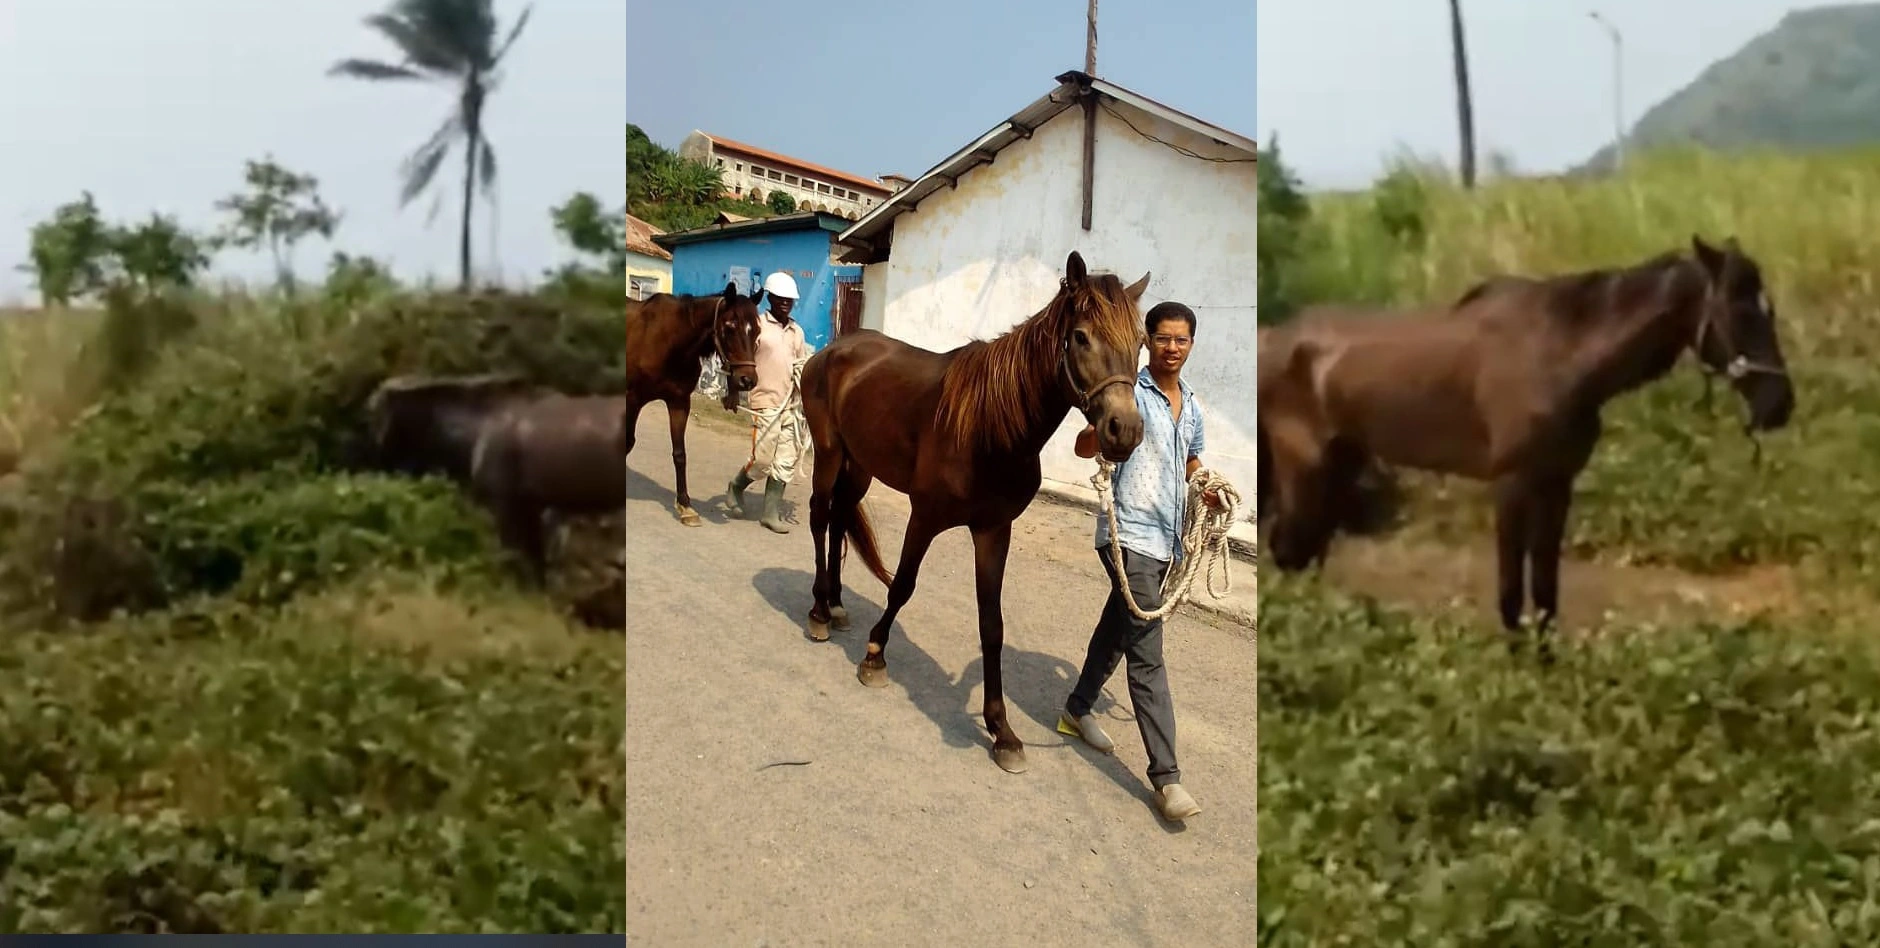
(705, 267)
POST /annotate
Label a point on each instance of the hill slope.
(1813, 81)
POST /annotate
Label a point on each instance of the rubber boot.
(734, 493)
(773, 506)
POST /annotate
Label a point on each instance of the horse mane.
(1582, 294)
(991, 390)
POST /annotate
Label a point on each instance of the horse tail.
(862, 536)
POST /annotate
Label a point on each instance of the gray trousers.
(1119, 634)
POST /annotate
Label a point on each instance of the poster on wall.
(741, 276)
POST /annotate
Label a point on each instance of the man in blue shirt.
(1151, 492)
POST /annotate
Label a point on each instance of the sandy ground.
(900, 830)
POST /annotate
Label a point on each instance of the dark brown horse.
(423, 425)
(1504, 386)
(960, 433)
(667, 337)
(553, 453)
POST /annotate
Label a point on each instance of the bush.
(1705, 784)
(221, 466)
(314, 781)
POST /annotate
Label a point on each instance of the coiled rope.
(1204, 539)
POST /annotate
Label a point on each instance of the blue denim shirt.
(1151, 488)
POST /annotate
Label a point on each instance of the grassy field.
(307, 698)
(1673, 483)
(1698, 781)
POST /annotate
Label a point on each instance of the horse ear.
(731, 290)
(1074, 271)
(1709, 256)
(1730, 244)
(1135, 289)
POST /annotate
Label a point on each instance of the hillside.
(1812, 81)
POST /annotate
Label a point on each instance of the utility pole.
(1618, 89)
(1090, 42)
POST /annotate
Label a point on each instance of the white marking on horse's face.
(1762, 303)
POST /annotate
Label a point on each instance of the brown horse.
(553, 453)
(960, 433)
(667, 337)
(422, 425)
(1505, 386)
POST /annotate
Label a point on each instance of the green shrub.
(249, 772)
(1705, 784)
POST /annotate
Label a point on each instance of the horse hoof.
(688, 516)
(818, 631)
(874, 676)
(1010, 759)
(839, 617)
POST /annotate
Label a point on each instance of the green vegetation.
(674, 193)
(1683, 784)
(1697, 785)
(1812, 81)
(254, 686)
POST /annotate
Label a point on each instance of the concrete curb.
(1242, 545)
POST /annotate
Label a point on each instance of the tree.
(590, 229)
(1465, 105)
(159, 253)
(280, 209)
(782, 202)
(70, 252)
(454, 42)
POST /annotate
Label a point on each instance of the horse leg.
(630, 422)
(677, 412)
(873, 669)
(519, 525)
(1513, 516)
(990, 546)
(850, 489)
(1548, 533)
(828, 467)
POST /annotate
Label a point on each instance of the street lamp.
(1618, 87)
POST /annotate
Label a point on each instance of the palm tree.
(1465, 104)
(450, 41)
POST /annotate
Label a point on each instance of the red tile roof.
(640, 239)
(726, 144)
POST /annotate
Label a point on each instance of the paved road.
(901, 830)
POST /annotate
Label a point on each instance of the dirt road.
(900, 830)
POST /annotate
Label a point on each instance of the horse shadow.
(1037, 684)
(929, 686)
(643, 488)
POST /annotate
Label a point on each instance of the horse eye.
(1083, 338)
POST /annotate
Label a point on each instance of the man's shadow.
(1036, 684)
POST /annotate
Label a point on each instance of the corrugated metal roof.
(802, 220)
(869, 235)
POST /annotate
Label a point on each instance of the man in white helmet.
(780, 347)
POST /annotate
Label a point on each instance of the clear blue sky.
(154, 104)
(1346, 83)
(894, 87)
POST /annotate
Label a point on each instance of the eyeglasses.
(1164, 340)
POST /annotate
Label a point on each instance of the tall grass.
(1672, 483)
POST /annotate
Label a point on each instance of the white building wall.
(973, 261)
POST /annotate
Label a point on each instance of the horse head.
(1736, 333)
(734, 335)
(1101, 340)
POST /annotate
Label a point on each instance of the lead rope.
(791, 405)
(1204, 539)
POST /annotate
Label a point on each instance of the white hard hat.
(779, 283)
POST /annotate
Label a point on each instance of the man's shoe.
(734, 494)
(1175, 803)
(773, 506)
(1088, 730)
